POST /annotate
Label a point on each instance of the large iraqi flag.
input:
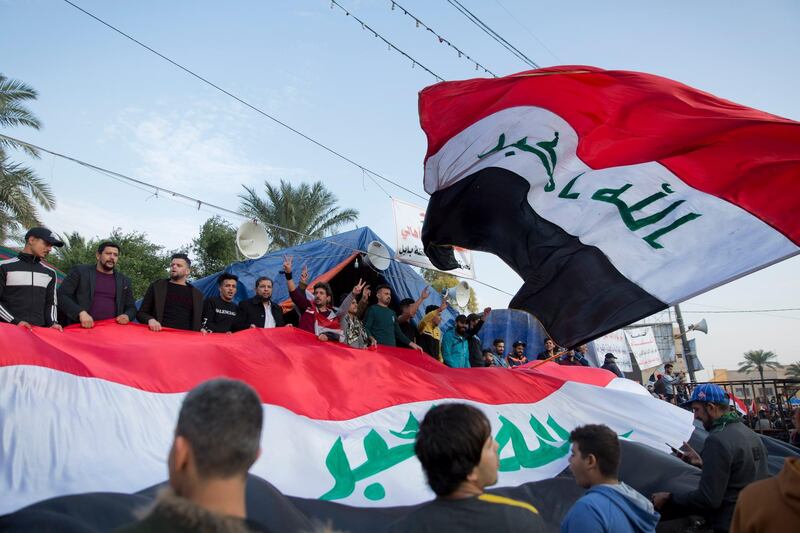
(613, 194)
(88, 411)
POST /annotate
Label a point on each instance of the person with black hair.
(351, 309)
(550, 349)
(217, 439)
(455, 346)
(381, 322)
(609, 506)
(317, 315)
(499, 353)
(220, 314)
(458, 454)
(97, 292)
(174, 302)
(260, 311)
(408, 309)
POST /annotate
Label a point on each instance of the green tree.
(20, 189)
(214, 248)
(441, 281)
(139, 259)
(758, 360)
(793, 370)
(310, 210)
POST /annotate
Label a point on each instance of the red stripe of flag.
(288, 367)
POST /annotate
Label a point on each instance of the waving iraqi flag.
(94, 411)
(612, 194)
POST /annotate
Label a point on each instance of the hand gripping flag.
(612, 194)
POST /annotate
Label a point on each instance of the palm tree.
(310, 210)
(20, 189)
(758, 360)
(793, 370)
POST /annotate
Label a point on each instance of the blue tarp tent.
(324, 256)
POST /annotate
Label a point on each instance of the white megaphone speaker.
(252, 240)
(700, 326)
(378, 256)
(458, 296)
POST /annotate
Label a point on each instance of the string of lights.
(442, 40)
(364, 169)
(197, 203)
(367, 27)
(491, 33)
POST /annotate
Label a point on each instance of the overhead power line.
(442, 40)
(197, 202)
(524, 27)
(247, 104)
(491, 33)
(366, 27)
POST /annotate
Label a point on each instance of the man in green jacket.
(381, 321)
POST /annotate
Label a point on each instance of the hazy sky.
(107, 101)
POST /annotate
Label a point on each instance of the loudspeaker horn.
(700, 326)
(458, 296)
(378, 256)
(252, 239)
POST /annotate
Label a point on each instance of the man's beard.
(106, 268)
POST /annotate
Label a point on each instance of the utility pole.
(684, 342)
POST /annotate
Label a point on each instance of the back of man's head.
(221, 420)
(598, 440)
(449, 444)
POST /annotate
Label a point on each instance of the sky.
(105, 100)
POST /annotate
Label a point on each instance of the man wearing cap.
(28, 286)
(517, 356)
(474, 324)
(733, 456)
(610, 364)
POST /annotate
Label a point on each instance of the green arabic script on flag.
(545, 152)
(552, 446)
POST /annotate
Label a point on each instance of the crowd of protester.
(29, 296)
(454, 443)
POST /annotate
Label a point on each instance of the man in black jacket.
(97, 292)
(733, 456)
(28, 286)
(254, 311)
(220, 314)
(475, 322)
(174, 302)
(610, 364)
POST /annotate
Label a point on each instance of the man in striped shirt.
(28, 286)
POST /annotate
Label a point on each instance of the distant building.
(745, 391)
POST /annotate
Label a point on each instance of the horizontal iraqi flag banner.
(612, 194)
(79, 408)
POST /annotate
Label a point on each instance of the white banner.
(615, 343)
(408, 220)
(643, 346)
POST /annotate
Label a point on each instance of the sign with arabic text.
(615, 343)
(408, 220)
(643, 346)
